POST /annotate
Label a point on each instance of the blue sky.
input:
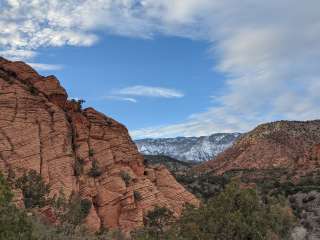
(170, 68)
(115, 63)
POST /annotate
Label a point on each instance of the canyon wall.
(79, 151)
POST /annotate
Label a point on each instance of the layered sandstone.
(290, 145)
(40, 129)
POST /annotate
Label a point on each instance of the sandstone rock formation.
(290, 145)
(79, 151)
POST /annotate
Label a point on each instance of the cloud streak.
(147, 91)
(118, 98)
(46, 67)
(129, 94)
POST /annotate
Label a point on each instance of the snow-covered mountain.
(188, 148)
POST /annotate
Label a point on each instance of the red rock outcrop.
(290, 145)
(40, 129)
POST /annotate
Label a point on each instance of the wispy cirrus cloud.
(130, 94)
(148, 91)
(119, 98)
(46, 67)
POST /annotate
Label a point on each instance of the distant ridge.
(292, 145)
(188, 148)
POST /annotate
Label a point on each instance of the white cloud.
(45, 67)
(269, 55)
(269, 50)
(130, 94)
(147, 91)
(213, 120)
(15, 54)
(118, 98)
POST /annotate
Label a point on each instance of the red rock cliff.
(41, 130)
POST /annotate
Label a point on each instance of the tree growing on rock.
(14, 223)
(33, 188)
(156, 222)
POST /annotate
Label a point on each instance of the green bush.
(204, 186)
(14, 223)
(78, 103)
(33, 90)
(95, 170)
(125, 177)
(5, 192)
(34, 189)
(91, 152)
(236, 214)
(137, 195)
(66, 231)
(76, 210)
(78, 166)
(156, 223)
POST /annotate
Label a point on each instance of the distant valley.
(188, 148)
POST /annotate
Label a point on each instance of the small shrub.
(125, 177)
(5, 193)
(95, 170)
(156, 223)
(137, 195)
(91, 152)
(78, 166)
(306, 180)
(33, 90)
(78, 103)
(59, 202)
(77, 210)
(85, 206)
(146, 162)
(13, 222)
(5, 77)
(33, 188)
(11, 175)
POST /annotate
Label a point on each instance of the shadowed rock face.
(41, 130)
(285, 144)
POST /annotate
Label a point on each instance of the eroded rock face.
(289, 145)
(41, 130)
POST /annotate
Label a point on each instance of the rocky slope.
(290, 145)
(40, 129)
(188, 148)
(279, 158)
